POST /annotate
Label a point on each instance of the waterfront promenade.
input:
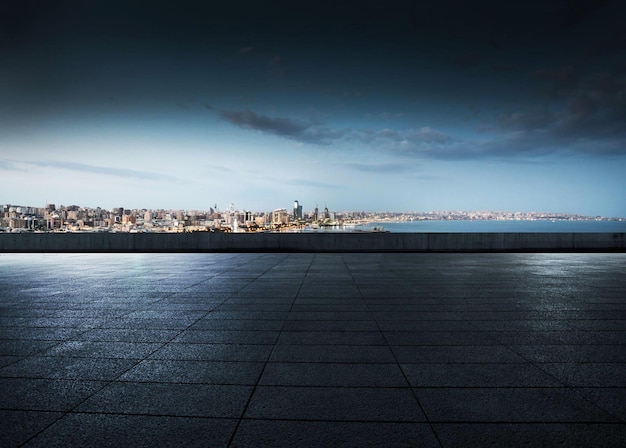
(313, 349)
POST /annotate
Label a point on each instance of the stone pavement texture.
(426, 350)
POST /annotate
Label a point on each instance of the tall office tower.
(297, 210)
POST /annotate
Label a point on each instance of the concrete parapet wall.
(312, 242)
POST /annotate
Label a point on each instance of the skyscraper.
(297, 210)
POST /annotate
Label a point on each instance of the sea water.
(538, 226)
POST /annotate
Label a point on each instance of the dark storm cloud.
(104, 170)
(312, 133)
(279, 126)
(526, 121)
(406, 138)
(592, 122)
(514, 147)
(524, 138)
(304, 132)
(528, 135)
(424, 141)
(584, 106)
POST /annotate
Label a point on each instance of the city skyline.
(231, 209)
(76, 218)
(399, 106)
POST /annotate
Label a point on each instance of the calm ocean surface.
(499, 226)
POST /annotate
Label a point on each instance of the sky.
(372, 106)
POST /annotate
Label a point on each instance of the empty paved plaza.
(427, 350)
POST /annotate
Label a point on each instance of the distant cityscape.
(75, 218)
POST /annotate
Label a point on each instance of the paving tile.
(330, 325)
(521, 325)
(455, 354)
(487, 342)
(86, 312)
(346, 375)
(325, 300)
(588, 374)
(16, 318)
(67, 368)
(340, 306)
(599, 325)
(608, 337)
(425, 325)
(573, 337)
(306, 292)
(8, 360)
(477, 375)
(19, 426)
(68, 322)
(168, 313)
(456, 338)
(201, 372)
(441, 308)
(24, 347)
(93, 349)
(227, 337)
(44, 394)
(195, 304)
(508, 405)
(252, 433)
(330, 315)
(40, 333)
(261, 297)
(214, 352)
(253, 305)
(545, 435)
(260, 315)
(611, 399)
(334, 404)
(571, 353)
(237, 324)
(331, 338)
(190, 400)
(332, 353)
(98, 430)
(128, 335)
(381, 316)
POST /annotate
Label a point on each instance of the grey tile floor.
(312, 350)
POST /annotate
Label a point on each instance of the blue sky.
(398, 106)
